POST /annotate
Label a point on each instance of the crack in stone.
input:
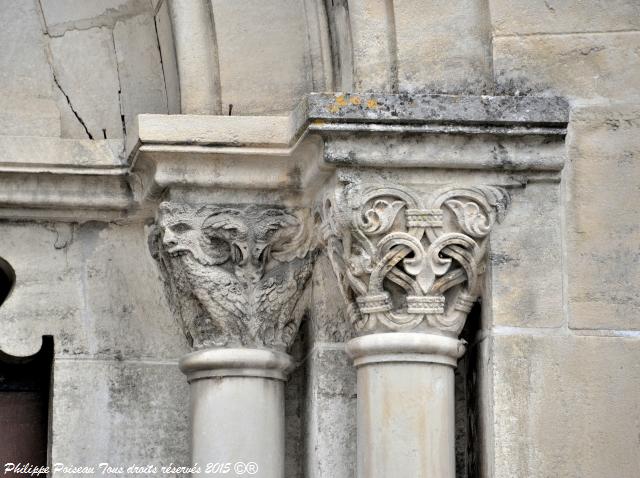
(122, 115)
(549, 7)
(107, 18)
(46, 33)
(75, 113)
(164, 77)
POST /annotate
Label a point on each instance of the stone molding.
(406, 261)
(398, 347)
(289, 154)
(234, 276)
(232, 362)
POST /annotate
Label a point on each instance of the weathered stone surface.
(24, 69)
(121, 413)
(526, 261)
(63, 15)
(26, 82)
(374, 50)
(330, 413)
(139, 68)
(328, 321)
(320, 59)
(271, 37)
(443, 46)
(59, 152)
(341, 46)
(565, 406)
(92, 87)
(70, 125)
(195, 41)
(168, 54)
(107, 299)
(557, 16)
(603, 229)
(424, 108)
(275, 131)
(454, 151)
(575, 65)
(28, 116)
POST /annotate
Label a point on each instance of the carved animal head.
(251, 236)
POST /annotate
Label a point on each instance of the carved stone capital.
(406, 261)
(234, 275)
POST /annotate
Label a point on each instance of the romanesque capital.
(234, 275)
(406, 261)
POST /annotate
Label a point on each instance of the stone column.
(196, 55)
(235, 278)
(237, 408)
(409, 266)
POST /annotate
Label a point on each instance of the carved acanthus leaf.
(234, 275)
(406, 262)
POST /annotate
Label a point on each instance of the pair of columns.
(408, 265)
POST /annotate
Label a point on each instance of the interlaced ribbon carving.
(404, 262)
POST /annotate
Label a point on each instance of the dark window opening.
(7, 279)
(25, 385)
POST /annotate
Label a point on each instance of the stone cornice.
(286, 155)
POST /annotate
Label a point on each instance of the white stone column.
(237, 409)
(408, 264)
(406, 421)
(197, 56)
(235, 277)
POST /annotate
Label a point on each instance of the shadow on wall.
(7, 280)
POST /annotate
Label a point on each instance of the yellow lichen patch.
(318, 122)
(340, 101)
(355, 100)
(372, 103)
(334, 109)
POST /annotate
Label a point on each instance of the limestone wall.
(577, 362)
(117, 392)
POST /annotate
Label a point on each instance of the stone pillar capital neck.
(236, 362)
(234, 275)
(410, 260)
(405, 347)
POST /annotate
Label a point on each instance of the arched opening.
(7, 279)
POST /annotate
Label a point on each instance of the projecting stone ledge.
(287, 155)
(548, 115)
(429, 109)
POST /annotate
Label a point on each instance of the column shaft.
(406, 420)
(197, 56)
(406, 414)
(237, 409)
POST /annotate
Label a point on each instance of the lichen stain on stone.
(372, 103)
(355, 100)
(341, 101)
